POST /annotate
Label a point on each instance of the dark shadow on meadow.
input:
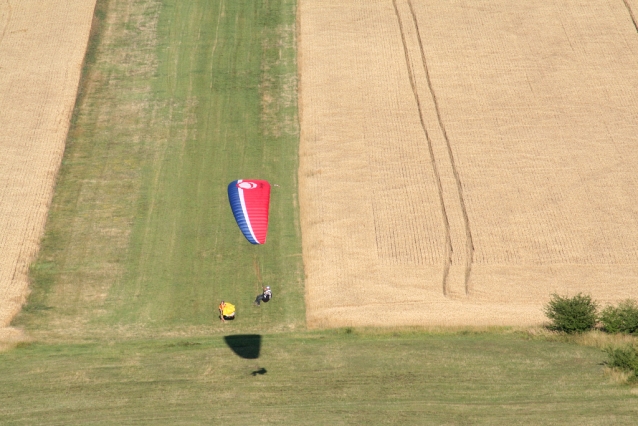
(245, 345)
(261, 371)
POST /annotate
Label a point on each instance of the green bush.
(620, 319)
(572, 315)
(624, 358)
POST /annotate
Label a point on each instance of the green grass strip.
(178, 99)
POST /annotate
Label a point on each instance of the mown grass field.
(178, 99)
(309, 378)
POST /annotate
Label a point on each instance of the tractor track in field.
(469, 243)
(631, 14)
(8, 20)
(455, 154)
(446, 221)
(468, 256)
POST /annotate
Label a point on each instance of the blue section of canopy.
(238, 212)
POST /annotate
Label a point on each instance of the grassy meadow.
(178, 99)
(309, 378)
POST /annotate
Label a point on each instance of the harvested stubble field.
(42, 46)
(461, 161)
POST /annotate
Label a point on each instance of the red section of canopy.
(257, 201)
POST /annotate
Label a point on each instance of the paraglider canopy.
(250, 200)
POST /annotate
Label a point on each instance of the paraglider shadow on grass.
(261, 371)
(245, 345)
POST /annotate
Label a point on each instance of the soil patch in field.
(460, 162)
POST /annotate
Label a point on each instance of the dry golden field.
(461, 161)
(42, 46)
